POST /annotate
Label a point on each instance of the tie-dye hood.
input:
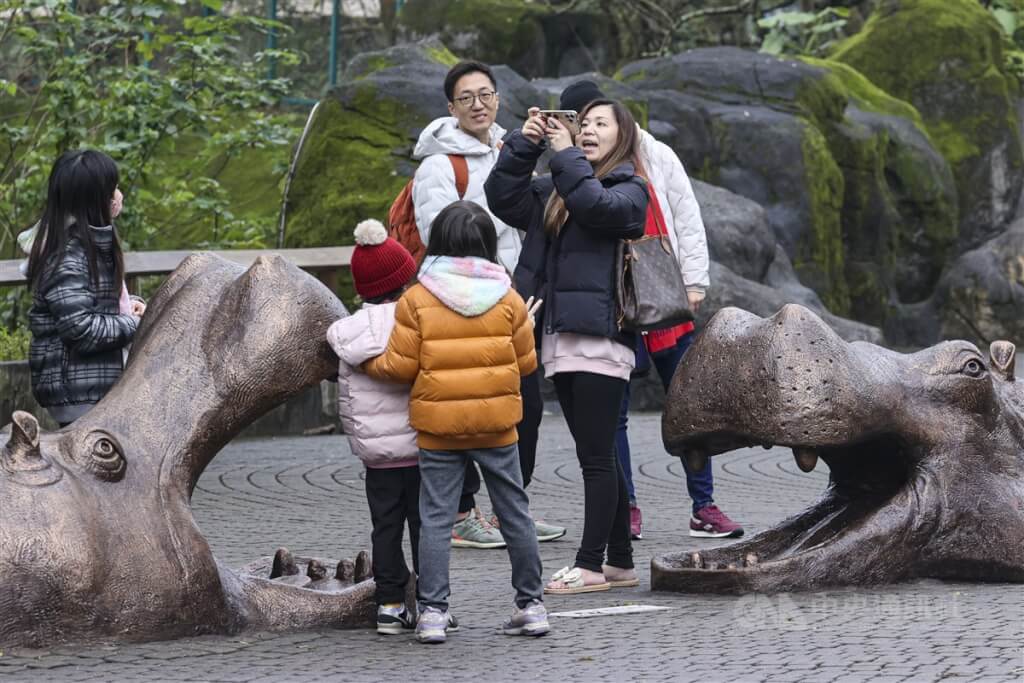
(468, 285)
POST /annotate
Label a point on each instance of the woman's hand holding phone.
(559, 137)
(534, 129)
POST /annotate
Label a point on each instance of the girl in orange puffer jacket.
(463, 337)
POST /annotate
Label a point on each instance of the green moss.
(376, 63)
(443, 55)
(346, 172)
(820, 260)
(946, 58)
(856, 88)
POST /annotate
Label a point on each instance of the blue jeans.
(700, 485)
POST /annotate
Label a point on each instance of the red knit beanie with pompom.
(379, 264)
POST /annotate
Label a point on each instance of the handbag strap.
(655, 207)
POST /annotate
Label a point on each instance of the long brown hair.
(627, 148)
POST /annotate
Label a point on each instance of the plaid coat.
(77, 331)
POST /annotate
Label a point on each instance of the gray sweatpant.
(441, 474)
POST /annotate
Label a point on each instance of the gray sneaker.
(545, 531)
(475, 532)
(548, 532)
(432, 626)
(531, 620)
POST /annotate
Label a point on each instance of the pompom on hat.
(380, 265)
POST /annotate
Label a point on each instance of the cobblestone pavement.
(306, 493)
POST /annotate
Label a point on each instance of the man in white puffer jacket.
(470, 132)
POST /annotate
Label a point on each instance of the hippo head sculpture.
(97, 538)
(925, 453)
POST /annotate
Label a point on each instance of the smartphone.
(566, 116)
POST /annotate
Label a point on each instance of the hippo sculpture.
(925, 453)
(97, 539)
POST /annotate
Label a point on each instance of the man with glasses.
(470, 132)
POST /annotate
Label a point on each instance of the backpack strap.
(461, 169)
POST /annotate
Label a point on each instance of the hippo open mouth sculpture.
(926, 453)
(97, 538)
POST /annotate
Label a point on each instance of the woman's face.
(116, 203)
(599, 132)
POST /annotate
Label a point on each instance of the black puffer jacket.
(574, 272)
(77, 330)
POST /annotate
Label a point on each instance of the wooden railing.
(323, 262)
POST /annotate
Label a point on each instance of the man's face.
(474, 114)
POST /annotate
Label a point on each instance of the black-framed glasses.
(486, 98)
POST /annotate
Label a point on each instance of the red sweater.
(660, 340)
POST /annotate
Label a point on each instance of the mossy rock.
(494, 31)
(946, 58)
(530, 37)
(856, 192)
(357, 155)
(981, 297)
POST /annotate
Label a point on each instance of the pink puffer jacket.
(374, 413)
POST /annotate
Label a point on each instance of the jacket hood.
(443, 136)
(469, 285)
(364, 334)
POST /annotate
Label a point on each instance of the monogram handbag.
(650, 289)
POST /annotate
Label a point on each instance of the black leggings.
(591, 403)
(533, 411)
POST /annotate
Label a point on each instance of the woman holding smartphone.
(574, 220)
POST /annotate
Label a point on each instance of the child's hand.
(531, 309)
(138, 307)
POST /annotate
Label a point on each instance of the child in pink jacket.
(375, 415)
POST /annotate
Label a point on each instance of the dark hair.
(460, 70)
(393, 295)
(79, 192)
(463, 229)
(627, 148)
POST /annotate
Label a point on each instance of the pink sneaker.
(710, 522)
(636, 523)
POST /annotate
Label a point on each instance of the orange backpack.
(402, 217)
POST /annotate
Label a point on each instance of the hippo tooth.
(363, 570)
(806, 459)
(750, 560)
(316, 570)
(697, 560)
(345, 571)
(284, 564)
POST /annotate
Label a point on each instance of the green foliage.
(803, 33)
(166, 92)
(14, 344)
(1010, 16)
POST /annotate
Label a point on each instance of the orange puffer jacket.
(464, 370)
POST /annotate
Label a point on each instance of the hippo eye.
(973, 368)
(106, 460)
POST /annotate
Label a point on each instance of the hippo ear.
(1003, 353)
(24, 441)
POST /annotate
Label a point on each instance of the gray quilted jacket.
(77, 331)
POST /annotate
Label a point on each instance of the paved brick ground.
(306, 493)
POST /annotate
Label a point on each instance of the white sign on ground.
(615, 611)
